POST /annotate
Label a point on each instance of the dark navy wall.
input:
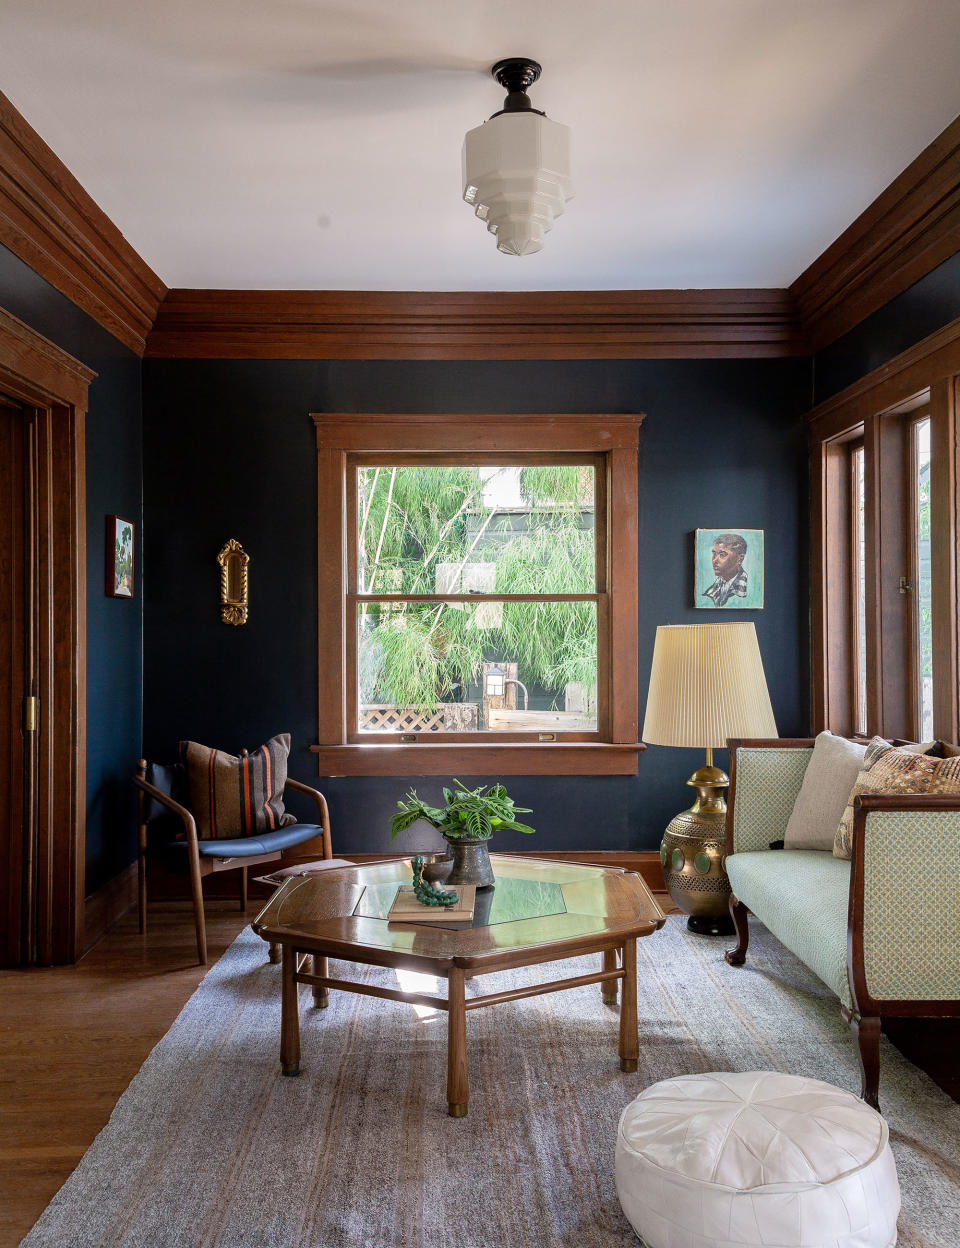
(229, 451)
(114, 626)
(928, 305)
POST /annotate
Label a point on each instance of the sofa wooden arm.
(903, 938)
(324, 811)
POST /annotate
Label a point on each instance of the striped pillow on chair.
(242, 796)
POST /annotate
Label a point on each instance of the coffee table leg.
(609, 986)
(629, 1043)
(289, 1015)
(321, 996)
(458, 1088)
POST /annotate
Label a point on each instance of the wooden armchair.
(164, 820)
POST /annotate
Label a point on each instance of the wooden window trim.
(343, 437)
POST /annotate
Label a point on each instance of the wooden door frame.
(41, 375)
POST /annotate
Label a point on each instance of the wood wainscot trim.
(108, 904)
(49, 841)
(908, 230)
(50, 222)
(476, 325)
(515, 759)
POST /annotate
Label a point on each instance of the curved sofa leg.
(739, 912)
(866, 1033)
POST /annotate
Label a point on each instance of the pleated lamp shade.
(707, 684)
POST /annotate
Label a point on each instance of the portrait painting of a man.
(729, 568)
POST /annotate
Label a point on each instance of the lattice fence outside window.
(449, 717)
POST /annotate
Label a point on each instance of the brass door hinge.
(906, 586)
(31, 713)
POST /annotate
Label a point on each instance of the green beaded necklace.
(426, 893)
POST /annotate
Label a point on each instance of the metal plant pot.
(471, 862)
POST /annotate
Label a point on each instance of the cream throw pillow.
(896, 769)
(831, 773)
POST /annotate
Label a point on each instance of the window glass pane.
(447, 529)
(477, 667)
(923, 625)
(860, 586)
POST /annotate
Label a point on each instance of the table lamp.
(706, 684)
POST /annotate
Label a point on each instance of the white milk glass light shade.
(516, 174)
(707, 684)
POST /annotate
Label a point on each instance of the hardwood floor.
(72, 1038)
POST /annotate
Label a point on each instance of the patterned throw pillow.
(242, 796)
(895, 769)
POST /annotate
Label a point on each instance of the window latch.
(906, 586)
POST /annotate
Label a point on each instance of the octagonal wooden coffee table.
(538, 911)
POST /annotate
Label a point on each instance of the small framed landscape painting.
(119, 557)
(729, 569)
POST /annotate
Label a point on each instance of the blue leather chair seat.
(267, 843)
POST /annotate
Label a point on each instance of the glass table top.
(508, 901)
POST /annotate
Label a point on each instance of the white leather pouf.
(757, 1160)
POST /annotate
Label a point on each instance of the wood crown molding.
(908, 230)
(481, 325)
(50, 222)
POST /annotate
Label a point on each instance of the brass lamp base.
(692, 855)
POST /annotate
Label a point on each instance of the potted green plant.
(467, 820)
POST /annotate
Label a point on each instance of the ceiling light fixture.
(516, 166)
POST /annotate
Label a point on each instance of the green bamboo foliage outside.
(411, 519)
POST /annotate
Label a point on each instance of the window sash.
(358, 461)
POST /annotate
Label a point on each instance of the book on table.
(407, 908)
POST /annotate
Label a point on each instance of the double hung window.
(478, 594)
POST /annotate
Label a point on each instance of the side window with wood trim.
(475, 611)
(884, 524)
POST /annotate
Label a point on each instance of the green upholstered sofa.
(882, 931)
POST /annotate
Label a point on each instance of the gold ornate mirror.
(233, 561)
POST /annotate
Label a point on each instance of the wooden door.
(18, 682)
(43, 402)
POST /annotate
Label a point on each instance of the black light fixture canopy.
(515, 75)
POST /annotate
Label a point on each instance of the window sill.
(574, 759)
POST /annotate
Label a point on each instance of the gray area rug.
(210, 1146)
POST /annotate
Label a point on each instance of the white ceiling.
(311, 145)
